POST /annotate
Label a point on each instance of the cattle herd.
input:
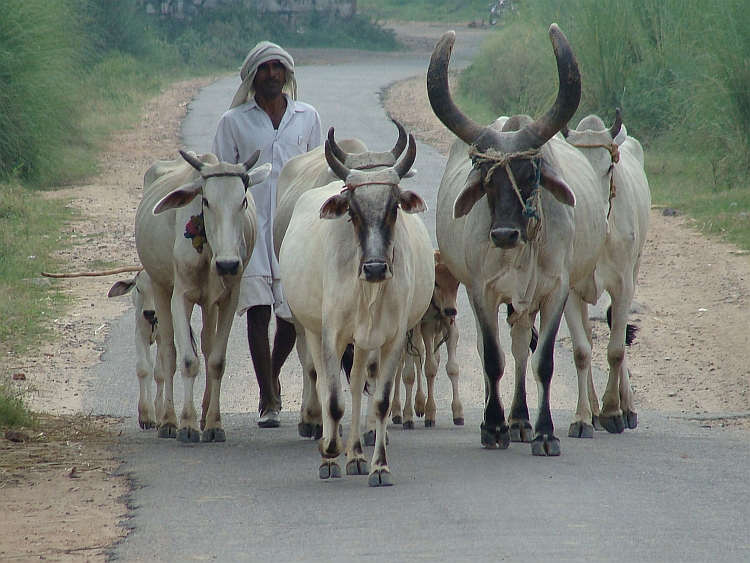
(531, 214)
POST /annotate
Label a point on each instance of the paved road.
(670, 491)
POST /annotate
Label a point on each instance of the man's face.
(270, 79)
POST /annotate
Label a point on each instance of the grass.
(426, 10)
(13, 410)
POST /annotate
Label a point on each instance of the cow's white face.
(226, 209)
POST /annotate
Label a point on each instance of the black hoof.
(495, 436)
(597, 425)
(305, 430)
(545, 445)
(429, 423)
(167, 431)
(631, 419)
(521, 432)
(188, 435)
(580, 430)
(613, 424)
(380, 478)
(458, 421)
(329, 469)
(214, 435)
(408, 425)
(398, 420)
(368, 438)
(357, 467)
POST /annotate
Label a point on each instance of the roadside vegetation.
(427, 10)
(678, 69)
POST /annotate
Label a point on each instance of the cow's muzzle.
(505, 238)
(227, 267)
(376, 271)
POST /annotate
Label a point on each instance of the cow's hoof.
(596, 424)
(188, 435)
(329, 469)
(580, 429)
(357, 466)
(368, 438)
(495, 436)
(458, 421)
(214, 435)
(631, 419)
(380, 478)
(613, 424)
(521, 432)
(398, 420)
(167, 431)
(408, 425)
(147, 424)
(429, 423)
(545, 445)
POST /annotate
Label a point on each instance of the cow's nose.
(227, 267)
(505, 238)
(149, 315)
(450, 312)
(375, 271)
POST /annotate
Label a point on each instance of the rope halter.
(614, 154)
(532, 210)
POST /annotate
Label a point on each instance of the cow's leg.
(451, 368)
(356, 463)
(430, 337)
(310, 420)
(166, 354)
(420, 398)
(380, 475)
(189, 365)
(208, 334)
(159, 379)
(494, 429)
(396, 409)
(373, 367)
(614, 418)
(542, 362)
(216, 364)
(520, 425)
(327, 360)
(576, 317)
(413, 354)
(144, 369)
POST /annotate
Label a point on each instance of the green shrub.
(13, 410)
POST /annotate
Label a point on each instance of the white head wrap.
(264, 52)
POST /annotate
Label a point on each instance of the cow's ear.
(334, 207)
(472, 193)
(551, 182)
(259, 174)
(412, 202)
(121, 288)
(179, 197)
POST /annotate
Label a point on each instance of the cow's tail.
(630, 331)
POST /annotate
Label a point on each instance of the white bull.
(195, 231)
(357, 267)
(150, 407)
(508, 230)
(302, 174)
(617, 160)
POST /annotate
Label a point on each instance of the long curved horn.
(337, 151)
(542, 130)
(339, 169)
(192, 161)
(615, 129)
(402, 141)
(407, 162)
(439, 94)
(250, 162)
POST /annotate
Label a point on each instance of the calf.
(146, 333)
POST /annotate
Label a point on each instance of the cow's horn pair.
(198, 165)
(535, 134)
(396, 151)
(401, 168)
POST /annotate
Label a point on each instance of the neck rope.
(614, 155)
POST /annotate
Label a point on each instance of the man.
(265, 115)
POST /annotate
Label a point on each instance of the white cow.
(195, 231)
(357, 267)
(617, 160)
(302, 174)
(437, 327)
(508, 230)
(150, 407)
